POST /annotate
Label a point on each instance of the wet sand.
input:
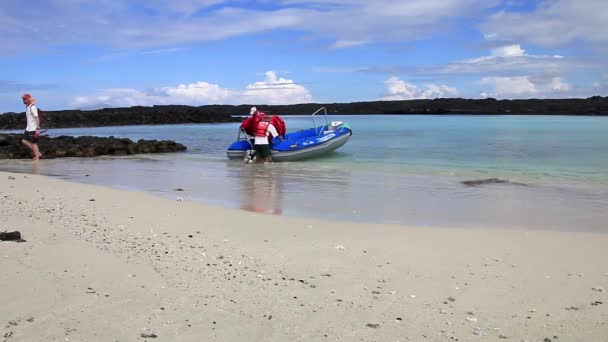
(101, 264)
(328, 192)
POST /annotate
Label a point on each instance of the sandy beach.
(101, 264)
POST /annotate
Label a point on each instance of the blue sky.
(81, 53)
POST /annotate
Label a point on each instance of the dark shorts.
(263, 150)
(30, 136)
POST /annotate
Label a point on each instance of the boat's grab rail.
(246, 137)
(313, 120)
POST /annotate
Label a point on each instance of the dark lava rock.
(484, 182)
(143, 335)
(10, 236)
(84, 146)
(373, 325)
(478, 182)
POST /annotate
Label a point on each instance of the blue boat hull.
(299, 145)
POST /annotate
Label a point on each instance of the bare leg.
(258, 158)
(33, 148)
(37, 153)
(28, 145)
(36, 168)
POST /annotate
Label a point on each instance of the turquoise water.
(398, 169)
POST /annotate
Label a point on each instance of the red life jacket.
(279, 124)
(250, 124)
(246, 125)
(262, 128)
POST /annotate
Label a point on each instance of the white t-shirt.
(264, 140)
(31, 113)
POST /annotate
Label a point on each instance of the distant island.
(174, 114)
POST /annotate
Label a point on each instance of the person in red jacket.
(263, 131)
(250, 123)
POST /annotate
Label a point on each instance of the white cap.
(253, 110)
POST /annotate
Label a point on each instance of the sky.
(86, 54)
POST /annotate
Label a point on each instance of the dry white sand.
(108, 265)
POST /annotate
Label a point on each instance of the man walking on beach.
(30, 136)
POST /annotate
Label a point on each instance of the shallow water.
(395, 169)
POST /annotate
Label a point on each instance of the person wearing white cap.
(253, 110)
(31, 134)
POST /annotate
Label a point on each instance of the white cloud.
(558, 85)
(508, 51)
(508, 72)
(199, 92)
(508, 60)
(552, 23)
(340, 44)
(510, 86)
(121, 25)
(601, 87)
(397, 89)
(272, 90)
(127, 97)
(525, 87)
(276, 90)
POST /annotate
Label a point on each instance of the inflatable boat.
(309, 143)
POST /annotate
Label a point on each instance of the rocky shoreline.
(156, 115)
(84, 146)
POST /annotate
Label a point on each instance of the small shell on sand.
(479, 332)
